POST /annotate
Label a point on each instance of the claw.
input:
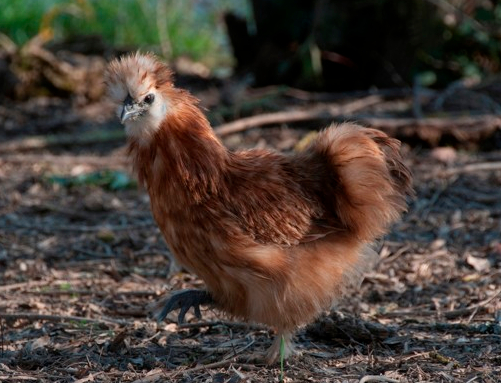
(183, 300)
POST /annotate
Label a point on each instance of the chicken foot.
(273, 353)
(184, 300)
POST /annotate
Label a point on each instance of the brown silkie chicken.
(275, 237)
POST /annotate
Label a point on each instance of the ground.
(83, 266)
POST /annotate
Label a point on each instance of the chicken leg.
(184, 300)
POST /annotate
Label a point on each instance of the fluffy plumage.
(275, 237)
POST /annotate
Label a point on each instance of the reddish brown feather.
(274, 237)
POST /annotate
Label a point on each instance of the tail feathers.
(371, 181)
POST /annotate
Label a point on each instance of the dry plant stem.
(224, 347)
(2, 346)
(377, 378)
(65, 159)
(162, 27)
(222, 323)
(152, 376)
(61, 318)
(19, 377)
(100, 293)
(42, 142)
(222, 363)
(471, 168)
(83, 229)
(237, 352)
(23, 285)
(452, 314)
(390, 93)
(431, 129)
(88, 378)
(482, 304)
(322, 112)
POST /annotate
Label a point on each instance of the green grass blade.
(282, 357)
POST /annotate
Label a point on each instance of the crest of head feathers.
(136, 74)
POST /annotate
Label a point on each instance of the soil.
(83, 267)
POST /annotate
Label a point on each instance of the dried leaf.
(479, 264)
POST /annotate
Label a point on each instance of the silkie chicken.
(275, 237)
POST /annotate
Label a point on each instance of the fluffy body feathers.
(275, 237)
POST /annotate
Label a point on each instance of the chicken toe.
(184, 300)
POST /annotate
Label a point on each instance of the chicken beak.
(127, 113)
(129, 109)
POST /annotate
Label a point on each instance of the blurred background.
(334, 45)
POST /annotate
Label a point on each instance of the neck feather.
(184, 158)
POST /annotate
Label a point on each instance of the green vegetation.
(468, 48)
(109, 179)
(282, 357)
(66, 286)
(446, 41)
(170, 27)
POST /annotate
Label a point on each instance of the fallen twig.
(376, 378)
(465, 129)
(485, 302)
(106, 161)
(151, 376)
(471, 168)
(17, 377)
(76, 228)
(61, 318)
(431, 129)
(322, 112)
(483, 328)
(222, 323)
(22, 285)
(89, 378)
(95, 293)
(41, 142)
(451, 314)
(222, 363)
(337, 96)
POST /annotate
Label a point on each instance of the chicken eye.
(149, 98)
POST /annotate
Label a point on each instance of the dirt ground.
(82, 266)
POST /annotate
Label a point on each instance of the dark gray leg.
(183, 300)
